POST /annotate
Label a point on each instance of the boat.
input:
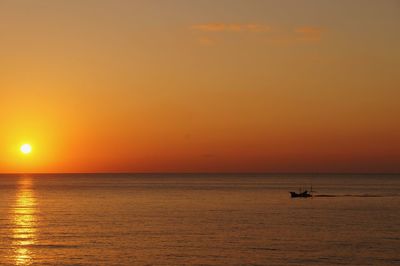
(301, 194)
(304, 194)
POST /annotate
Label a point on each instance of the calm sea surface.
(199, 220)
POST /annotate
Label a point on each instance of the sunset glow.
(195, 86)
(201, 132)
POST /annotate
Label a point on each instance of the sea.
(199, 219)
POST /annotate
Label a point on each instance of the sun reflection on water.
(24, 218)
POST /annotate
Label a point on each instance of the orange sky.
(200, 86)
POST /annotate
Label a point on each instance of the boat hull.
(304, 194)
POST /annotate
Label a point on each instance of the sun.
(26, 148)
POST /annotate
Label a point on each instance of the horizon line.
(203, 173)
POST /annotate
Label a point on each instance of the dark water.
(199, 220)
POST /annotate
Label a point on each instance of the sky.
(200, 86)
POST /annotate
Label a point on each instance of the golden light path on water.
(25, 221)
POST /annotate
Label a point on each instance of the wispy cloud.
(309, 33)
(226, 27)
(281, 37)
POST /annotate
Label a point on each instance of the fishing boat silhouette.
(302, 193)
